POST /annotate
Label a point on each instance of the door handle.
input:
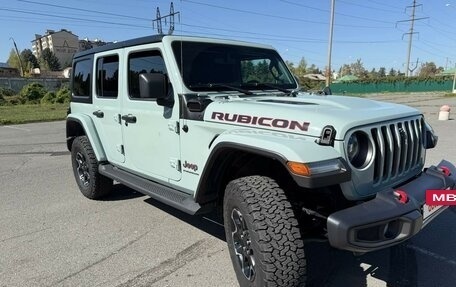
(129, 119)
(98, 114)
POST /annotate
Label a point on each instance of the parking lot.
(50, 235)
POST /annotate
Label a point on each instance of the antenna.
(160, 18)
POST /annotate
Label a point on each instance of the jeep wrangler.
(215, 125)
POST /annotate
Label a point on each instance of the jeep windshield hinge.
(175, 163)
(174, 126)
(120, 149)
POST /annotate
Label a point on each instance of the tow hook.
(401, 196)
(446, 171)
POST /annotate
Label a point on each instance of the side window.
(143, 63)
(81, 81)
(108, 76)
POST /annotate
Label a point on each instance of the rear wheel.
(85, 168)
(262, 233)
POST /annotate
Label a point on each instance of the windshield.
(211, 67)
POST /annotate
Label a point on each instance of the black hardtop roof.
(119, 45)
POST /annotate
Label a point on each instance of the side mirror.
(155, 85)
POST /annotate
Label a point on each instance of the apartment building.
(62, 43)
(86, 43)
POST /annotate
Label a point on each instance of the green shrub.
(4, 94)
(14, 100)
(49, 98)
(63, 95)
(32, 93)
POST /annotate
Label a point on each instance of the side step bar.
(182, 201)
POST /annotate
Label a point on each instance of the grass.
(19, 114)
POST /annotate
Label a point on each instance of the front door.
(150, 133)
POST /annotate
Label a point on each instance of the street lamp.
(18, 56)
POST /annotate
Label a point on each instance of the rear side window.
(108, 76)
(143, 63)
(82, 81)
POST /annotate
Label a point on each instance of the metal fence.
(16, 84)
(415, 86)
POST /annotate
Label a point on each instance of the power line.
(432, 46)
(71, 18)
(370, 7)
(254, 12)
(429, 52)
(275, 37)
(9, 19)
(337, 13)
(385, 5)
(85, 10)
(274, 16)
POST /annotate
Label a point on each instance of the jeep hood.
(306, 115)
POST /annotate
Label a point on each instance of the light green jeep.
(206, 124)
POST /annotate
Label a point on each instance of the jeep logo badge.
(190, 166)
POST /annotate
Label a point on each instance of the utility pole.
(159, 19)
(18, 56)
(409, 50)
(331, 28)
(410, 34)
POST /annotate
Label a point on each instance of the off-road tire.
(275, 239)
(85, 168)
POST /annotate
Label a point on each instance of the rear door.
(107, 103)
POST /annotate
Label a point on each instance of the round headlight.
(352, 147)
(359, 149)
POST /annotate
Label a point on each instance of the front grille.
(399, 149)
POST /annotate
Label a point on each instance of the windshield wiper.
(266, 85)
(220, 85)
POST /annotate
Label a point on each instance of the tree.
(13, 60)
(357, 69)
(313, 69)
(28, 57)
(427, 69)
(392, 73)
(301, 69)
(382, 72)
(345, 70)
(373, 74)
(290, 66)
(49, 61)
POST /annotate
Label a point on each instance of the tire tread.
(276, 228)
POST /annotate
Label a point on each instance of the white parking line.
(432, 254)
(16, 128)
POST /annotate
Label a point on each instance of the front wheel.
(263, 234)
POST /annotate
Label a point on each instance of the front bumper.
(385, 220)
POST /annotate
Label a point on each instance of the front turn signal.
(299, 168)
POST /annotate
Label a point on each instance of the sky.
(370, 30)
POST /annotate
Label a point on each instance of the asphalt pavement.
(50, 235)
